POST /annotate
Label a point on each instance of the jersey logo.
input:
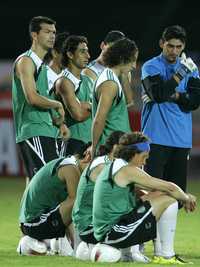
(141, 209)
(147, 225)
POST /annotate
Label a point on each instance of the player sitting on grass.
(46, 206)
(82, 210)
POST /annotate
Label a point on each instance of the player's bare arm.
(106, 98)
(80, 111)
(125, 80)
(138, 176)
(70, 175)
(25, 71)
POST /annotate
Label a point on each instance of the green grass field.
(187, 241)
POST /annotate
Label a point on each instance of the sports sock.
(77, 239)
(166, 229)
(157, 245)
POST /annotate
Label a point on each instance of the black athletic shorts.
(134, 228)
(37, 151)
(48, 225)
(88, 235)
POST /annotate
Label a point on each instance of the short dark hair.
(113, 36)
(81, 149)
(35, 23)
(122, 51)
(59, 41)
(113, 139)
(123, 151)
(174, 32)
(70, 45)
(58, 46)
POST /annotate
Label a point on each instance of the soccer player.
(109, 104)
(74, 90)
(54, 60)
(96, 66)
(46, 205)
(82, 210)
(35, 132)
(120, 219)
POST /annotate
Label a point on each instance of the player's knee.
(167, 201)
(160, 204)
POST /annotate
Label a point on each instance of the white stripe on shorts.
(37, 149)
(43, 218)
(129, 229)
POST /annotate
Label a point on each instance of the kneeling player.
(82, 210)
(46, 205)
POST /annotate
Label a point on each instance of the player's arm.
(70, 175)
(159, 90)
(155, 88)
(189, 100)
(106, 93)
(125, 80)
(140, 177)
(89, 73)
(25, 71)
(80, 111)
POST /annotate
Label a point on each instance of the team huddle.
(96, 190)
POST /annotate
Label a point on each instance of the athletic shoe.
(142, 248)
(139, 257)
(126, 257)
(30, 246)
(173, 260)
(156, 259)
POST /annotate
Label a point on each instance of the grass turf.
(187, 241)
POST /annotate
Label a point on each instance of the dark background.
(141, 20)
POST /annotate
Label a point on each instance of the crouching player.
(82, 210)
(119, 219)
(46, 205)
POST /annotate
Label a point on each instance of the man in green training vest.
(82, 210)
(32, 108)
(75, 90)
(109, 105)
(54, 70)
(46, 205)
